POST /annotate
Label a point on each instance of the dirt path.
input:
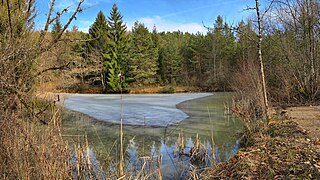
(308, 118)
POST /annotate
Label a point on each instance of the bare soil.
(307, 118)
(288, 148)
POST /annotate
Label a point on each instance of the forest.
(223, 59)
(270, 61)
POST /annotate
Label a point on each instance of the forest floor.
(288, 148)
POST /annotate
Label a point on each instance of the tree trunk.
(264, 89)
(103, 81)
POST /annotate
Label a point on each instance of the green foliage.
(144, 55)
(118, 40)
(98, 33)
(114, 79)
(170, 58)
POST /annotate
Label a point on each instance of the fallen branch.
(62, 67)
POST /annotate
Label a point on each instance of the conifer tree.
(143, 61)
(117, 45)
(117, 39)
(114, 82)
(170, 58)
(98, 32)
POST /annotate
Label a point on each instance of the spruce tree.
(117, 45)
(117, 39)
(98, 32)
(97, 44)
(114, 81)
(143, 61)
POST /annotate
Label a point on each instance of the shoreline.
(287, 147)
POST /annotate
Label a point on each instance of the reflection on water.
(217, 132)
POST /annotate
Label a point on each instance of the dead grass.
(282, 151)
(30, 152)
(158, 89)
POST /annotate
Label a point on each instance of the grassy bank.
(283, 149)
(56, 87)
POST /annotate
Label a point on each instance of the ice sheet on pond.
(141, 109)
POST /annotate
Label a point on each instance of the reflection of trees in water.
(103, 133)
(146, 141)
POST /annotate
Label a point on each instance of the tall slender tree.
(263, 81)
(118, 39)
(97, 44)
(117, 44)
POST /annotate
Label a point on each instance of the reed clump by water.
(198, 154)
(32, 150)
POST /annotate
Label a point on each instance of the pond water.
(153, 125)
(137, 109)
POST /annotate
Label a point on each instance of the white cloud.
(71, 4)
(166, 25)
(84, 25)
(161, 24)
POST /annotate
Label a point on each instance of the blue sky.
(166, 15)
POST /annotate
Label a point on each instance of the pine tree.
(143, 61)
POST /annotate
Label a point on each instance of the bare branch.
(46, 27)
(269, 7)
(9, 19)
(248, 8)
(237, 29)
(59, 14)
(207, 27)
(62, 67)
(79, 40)
(55, 40)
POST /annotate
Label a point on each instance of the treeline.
(223, 59)
(151, 58)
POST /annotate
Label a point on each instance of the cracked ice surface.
(138, 109)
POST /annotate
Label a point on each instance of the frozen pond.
(141, 109)
(146, 134)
